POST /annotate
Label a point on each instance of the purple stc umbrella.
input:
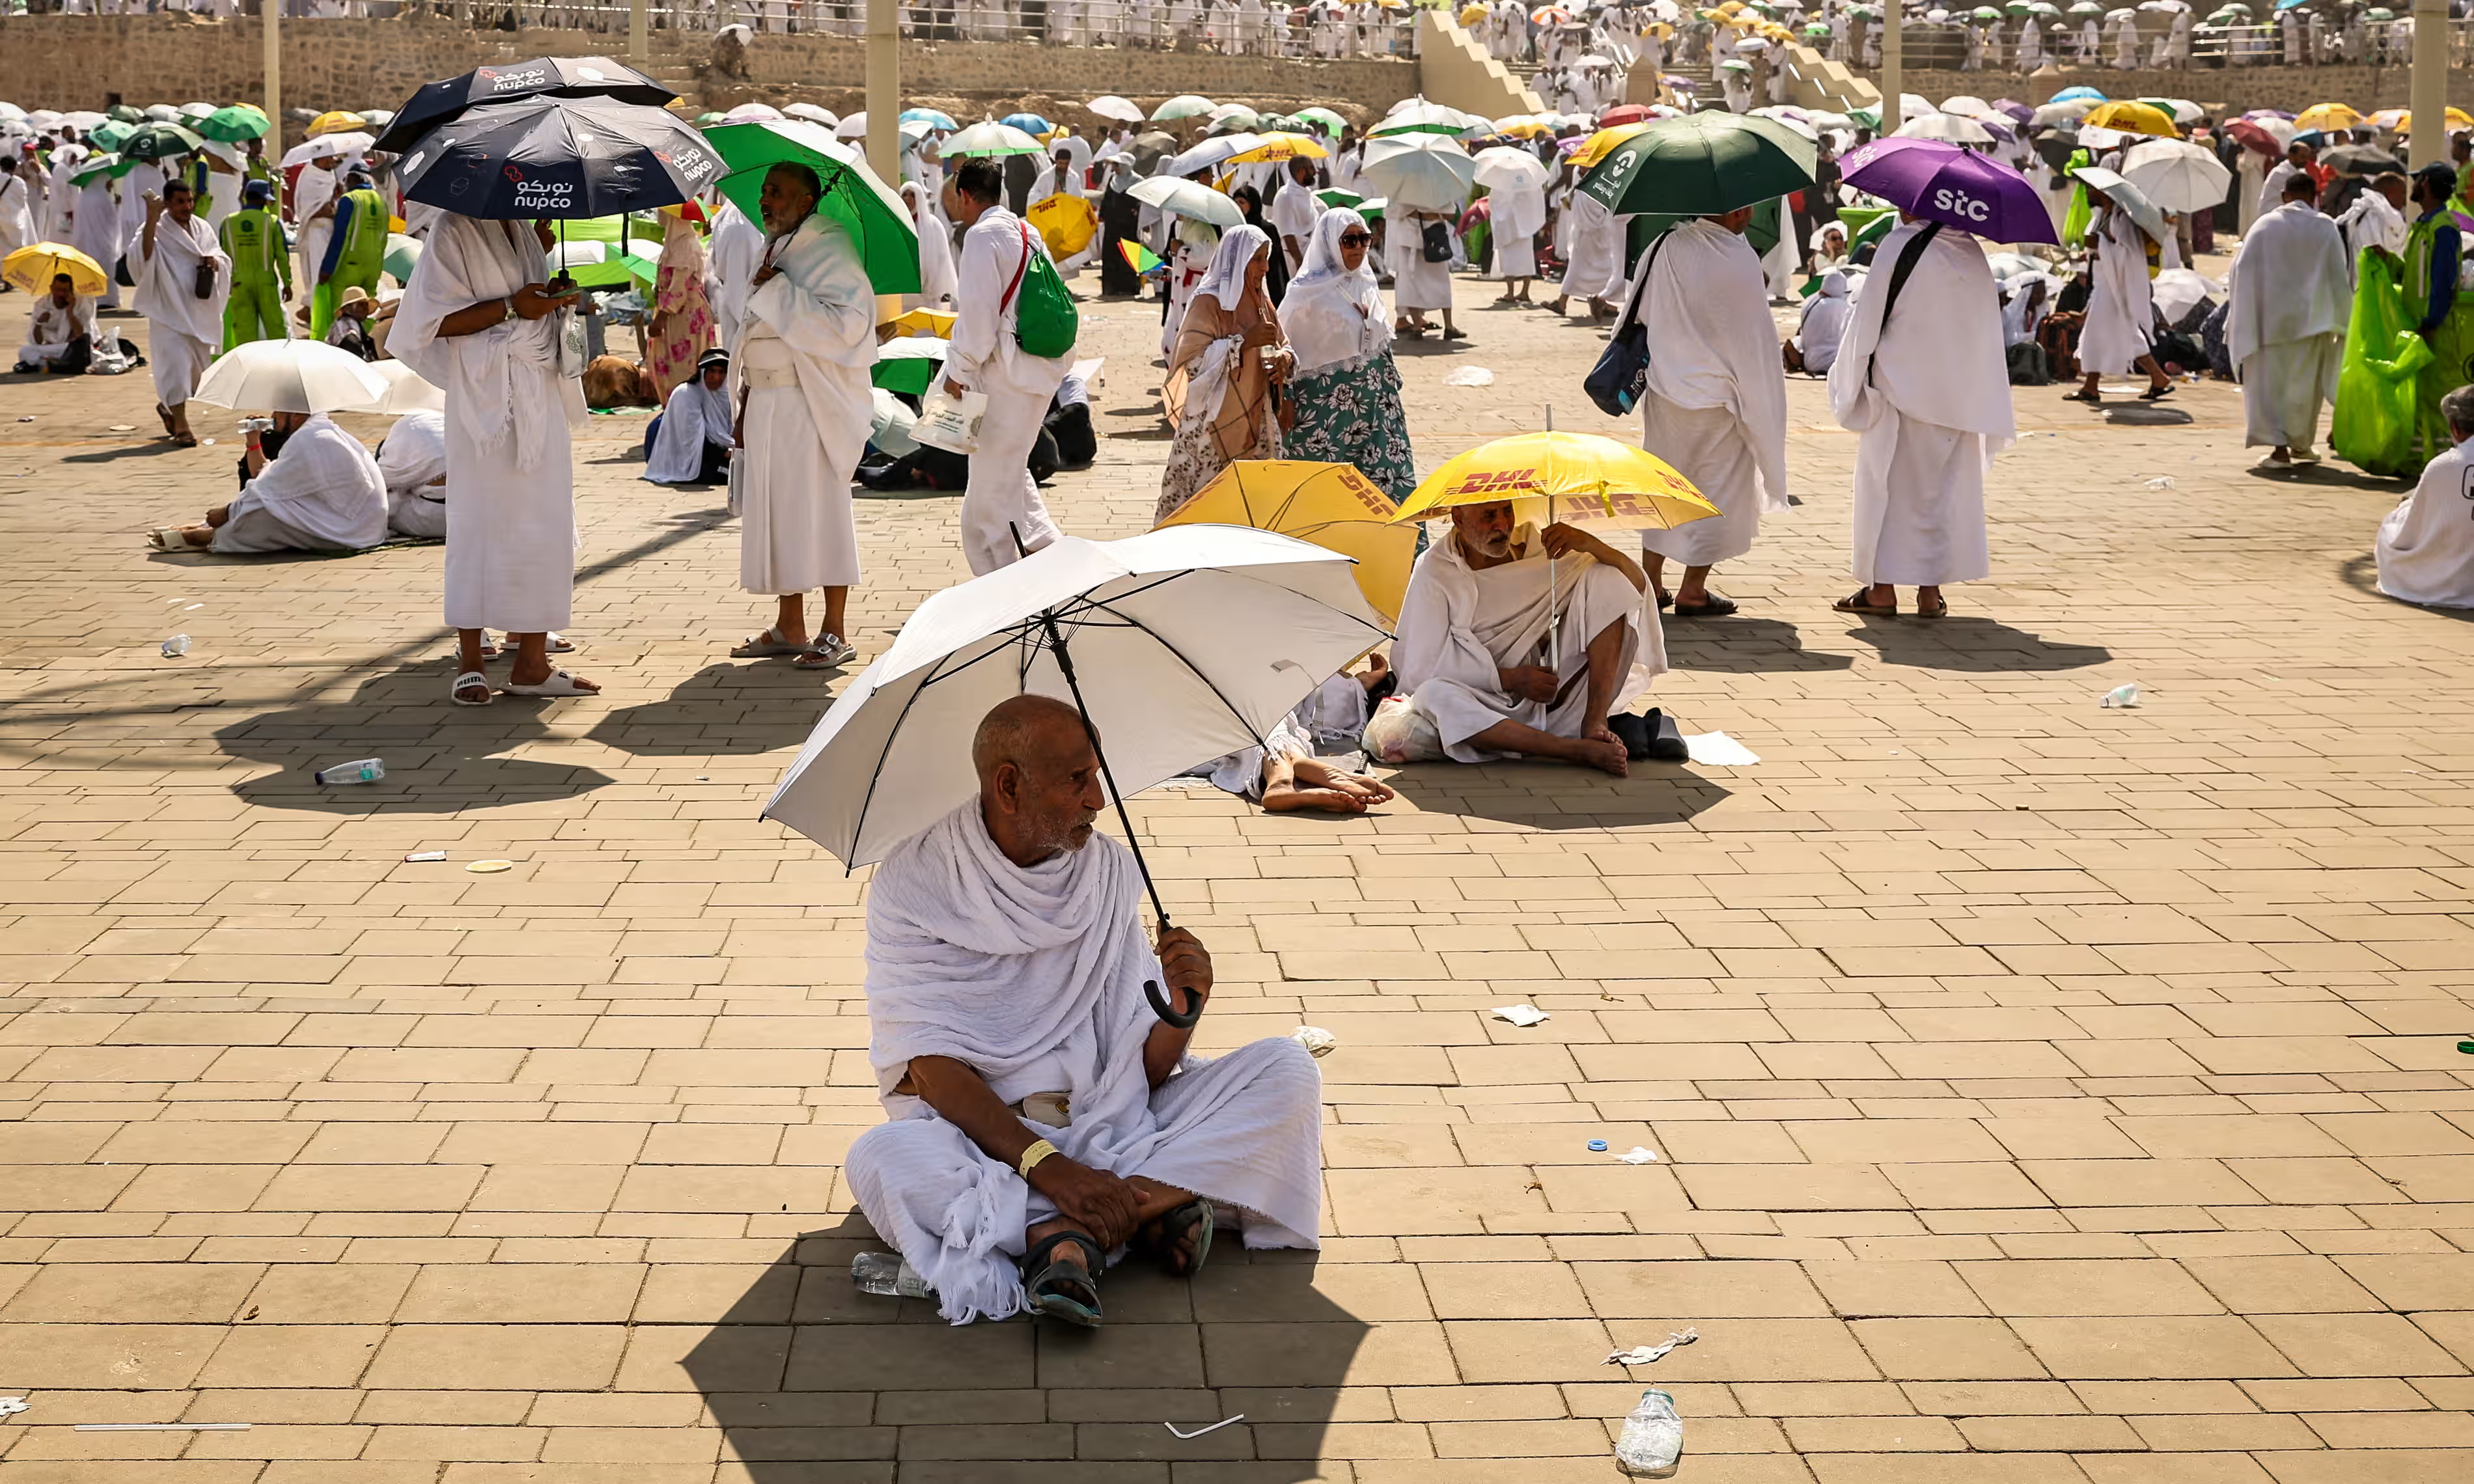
(1942, 182)
(2013, 109)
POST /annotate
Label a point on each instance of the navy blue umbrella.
(554, 157)
(569, 77)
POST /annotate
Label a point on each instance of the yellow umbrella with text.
(1331, 505)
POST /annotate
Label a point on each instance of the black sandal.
(1046, 1281)
(1861, 602)
(1711, 607)
(1162, 1236)
(2092, 399)
(2157, 394)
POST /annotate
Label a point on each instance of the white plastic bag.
(1400, 732)
(949, 422)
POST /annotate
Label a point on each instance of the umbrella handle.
(1161, 1008)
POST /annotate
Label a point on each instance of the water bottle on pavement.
(369, 770)
(176, 646)
(1653, 1436)
(887, 1277)
(2122, 695)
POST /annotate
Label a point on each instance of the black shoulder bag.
(1622, 372)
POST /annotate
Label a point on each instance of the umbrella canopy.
(2062, 113)
(1968, 104)
(908, 362)
(990, 140)
(570, 77)
(938, 323)
(1626, 113)
(1186, 198)
(2176, 175)
(553, 157)
(123, 114)
(1337, 196)
(1524, 125)
(1947, 129)
(1324, 118)
(336, 121)
(935, 119)
(1428, 118)
(1109, 105)
(2134, 118)
(405, 392)
(1941, 182)
(2456, 118)
(2129, 198)
(160, 141)
(877, 219)
(2267, 136)
(232, 125)
(402, 257)
(1702, 164)
(1149, 146)
(1331, 505)
(814, 114)
(328, 147)
(1182, 106)
(1504, 168)
(1187, 644)
(1234, 115)
(1419, 172)
(1598, 144)
(853, 126)
(100, 167)
(1028, 123)
(289, 375)
(1273, 147)
(1593, 481)
(33, 268)
(1211, 154)
(2072, 94)
(2361, 159)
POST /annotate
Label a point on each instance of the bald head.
(1039, 778)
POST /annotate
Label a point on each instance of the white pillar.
(269, 21)
(883, 92)
(1894, 80)
(639, 44)
(2428, 91)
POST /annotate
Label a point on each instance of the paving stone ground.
(2045, 1093)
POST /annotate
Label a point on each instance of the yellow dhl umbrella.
(1471, 15)
(1067, 222)
(336, 122)
(924, 321)
(1279, 147)
(2133, 118)
(2456, 118)
(1331, 505)
(34, 266)
(2325, 116)
(1604, 141)
(1522, 126)
(1576, 477)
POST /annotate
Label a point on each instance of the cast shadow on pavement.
(802, 1372)
(740, 707)
(1743, 646)
(1557, 796)
(2363, 574)
(1973, 645)
(438, 756)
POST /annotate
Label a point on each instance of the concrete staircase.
(1456, 72)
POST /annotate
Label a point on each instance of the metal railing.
(2362, 43)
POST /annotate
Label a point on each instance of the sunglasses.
(1355, 239)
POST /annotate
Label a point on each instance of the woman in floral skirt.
(1344, 389)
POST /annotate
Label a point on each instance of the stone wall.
(2215, 88)
(79, 61)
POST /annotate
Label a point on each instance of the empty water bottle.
(2125, 694)
(176, 646)
(887, 1276)
(369, 770)
(1653, 1436)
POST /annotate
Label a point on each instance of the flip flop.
(1046, 1281)
(2092, 399)
(1164, 1236)
(467, 680)
(1858, 602)
(1715, 606)
(2157, 394)
(559, 684)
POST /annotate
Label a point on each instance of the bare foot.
(1290, 799)
(1604, 754)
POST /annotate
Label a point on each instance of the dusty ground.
(2045, 1093)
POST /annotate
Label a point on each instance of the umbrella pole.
(1160, 1005)
(1554, 628)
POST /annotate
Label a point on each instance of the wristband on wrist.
(1040, 1149)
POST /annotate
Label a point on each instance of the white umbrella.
(1949, 128)
(163, 113)
(2069, 111)
(81, 119)
(853, 126)
(1182, 106)
(1420, 115)
(1186, 198)
(2129, 198)
(982, 138)
(1503, 168)
(197, 110)
(1968, 104)
(752, 113)
(1419, 172)
(289, 375)
(1186, 644)
(1212, 152)
(2176, 175)
(405, 392)
(327, 146)
(814, 114)
(10, 112)
(1111, 106)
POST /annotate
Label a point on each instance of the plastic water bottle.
(1652, 1437)
(176, 646)
(887, 1276)
(2125, 694)
(369, 770)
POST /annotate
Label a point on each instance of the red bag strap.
(1020, 268)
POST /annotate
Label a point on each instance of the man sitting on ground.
(351, 330)
(1040, 1107)
(412, 460)
(322, 493)
(2426, 544)
(1474, 646)
(60, 334)
(689, 441)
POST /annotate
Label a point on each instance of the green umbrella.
(99, 166)
(1816, 30)
(1324, 116)
(122, 113)
(1335, 196)
(1984, 12)
(234, 123)
(108, 137)
(1184, 106)
(159, 141)
(611, 273)
(992, 140)
(877, 219)
(402, 257)
(1702, 164)
(1761, 233)
(908, 363)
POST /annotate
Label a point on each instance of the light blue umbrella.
(932, 116)
(2071, 94)
(1028, 123)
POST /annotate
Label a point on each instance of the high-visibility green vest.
(365, 239)
(253, 240)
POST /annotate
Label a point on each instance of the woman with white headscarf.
(1224, 372)
(936, 275)
(1344, 388)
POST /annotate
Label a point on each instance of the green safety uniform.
(261, 276)
(356, 255)
(2435, 246)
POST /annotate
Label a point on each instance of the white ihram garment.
(1459, 625)
(2291, 295)
(2426, 544)
(1930, 394)
(695, 417)
(510, 415)
(17, 211)
(412, 460)
(1415, 283)
(52, 328)
(737, 245)
(803, 350)
(2120, 315)
(1714, 406)
(1032, 977)
(1594, 253)
(1518, 215)
(183, 331)
(1001, 495)
(323, 492)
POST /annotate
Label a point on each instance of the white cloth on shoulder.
(2426, 544)
(184, 330)
(322, 491)
(1714, 405)
(1824, 323)
(1334, 318)
(1459, 625)
(1033, 976)
(806, 342)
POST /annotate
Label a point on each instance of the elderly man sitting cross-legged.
(1043, 1115)
(1474, 648)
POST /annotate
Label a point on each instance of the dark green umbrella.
(234, 123)
(1701, 165)
(123, 114)
(160, 141)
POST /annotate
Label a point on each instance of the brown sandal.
(1857, 602)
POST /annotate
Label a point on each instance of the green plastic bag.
(2081, 211)
(2372, 425)
(1046, 323)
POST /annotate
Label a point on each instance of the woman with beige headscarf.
(682, 327)
(1225, 371)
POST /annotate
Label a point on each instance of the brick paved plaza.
(2045, 1094)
